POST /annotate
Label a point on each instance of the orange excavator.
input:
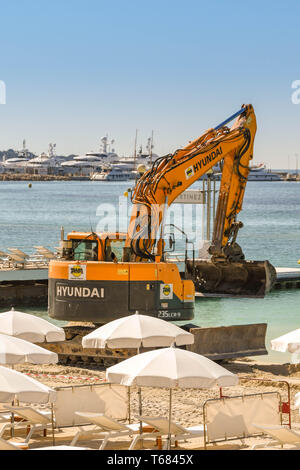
(103, 276)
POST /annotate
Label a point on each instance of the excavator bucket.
(231, 279)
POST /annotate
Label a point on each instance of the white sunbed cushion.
(162, 424)
(136, 426)
(23, 445)
(5, 417)
(281, 433)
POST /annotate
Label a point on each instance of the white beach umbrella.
(17, 351)
(290, 342)
(136, 331)
(17, 386)
(170, 368)
(29, 327)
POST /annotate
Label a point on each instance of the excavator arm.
(227, 272)
(171, 175)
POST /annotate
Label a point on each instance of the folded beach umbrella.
(29, 327)
(17, 351)
(290, 342)
(136, 331)
(17, 386)
(170, 368)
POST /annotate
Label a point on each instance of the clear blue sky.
(76, 70)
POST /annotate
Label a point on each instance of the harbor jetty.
(23, 277)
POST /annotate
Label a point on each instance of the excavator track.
(71, 352)
(216, 343)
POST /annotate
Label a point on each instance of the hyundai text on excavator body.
(103, 276)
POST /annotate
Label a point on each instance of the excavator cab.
(94, 247)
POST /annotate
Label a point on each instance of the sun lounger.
(4, 426)
(37, 420)
(8, 445)
(105, 428)
(45, 252)
(17, 258)
(13, 260)
(8, 422)
(4, 259)
(48, 256)
(281, 435)
(160, 427)
(18, 252)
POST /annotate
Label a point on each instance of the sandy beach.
(255, 377)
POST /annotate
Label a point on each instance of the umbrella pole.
(170, 419)
(140, 408)
(12, 420)
(52, 423)
(140, 414)
(129, 406)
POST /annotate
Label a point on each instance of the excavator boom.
(227, 273)
(171, 175)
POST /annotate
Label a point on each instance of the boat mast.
(151, 148)
(135, 143)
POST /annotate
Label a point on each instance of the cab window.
(115, 247)
(85, 250)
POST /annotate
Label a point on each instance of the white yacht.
(17, 164)
(127, 168)
(84, 166)
(45, 163)
(257, 173)
(92, 161)
(115, 172)
(260, 173)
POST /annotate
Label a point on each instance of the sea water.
(271, 217)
